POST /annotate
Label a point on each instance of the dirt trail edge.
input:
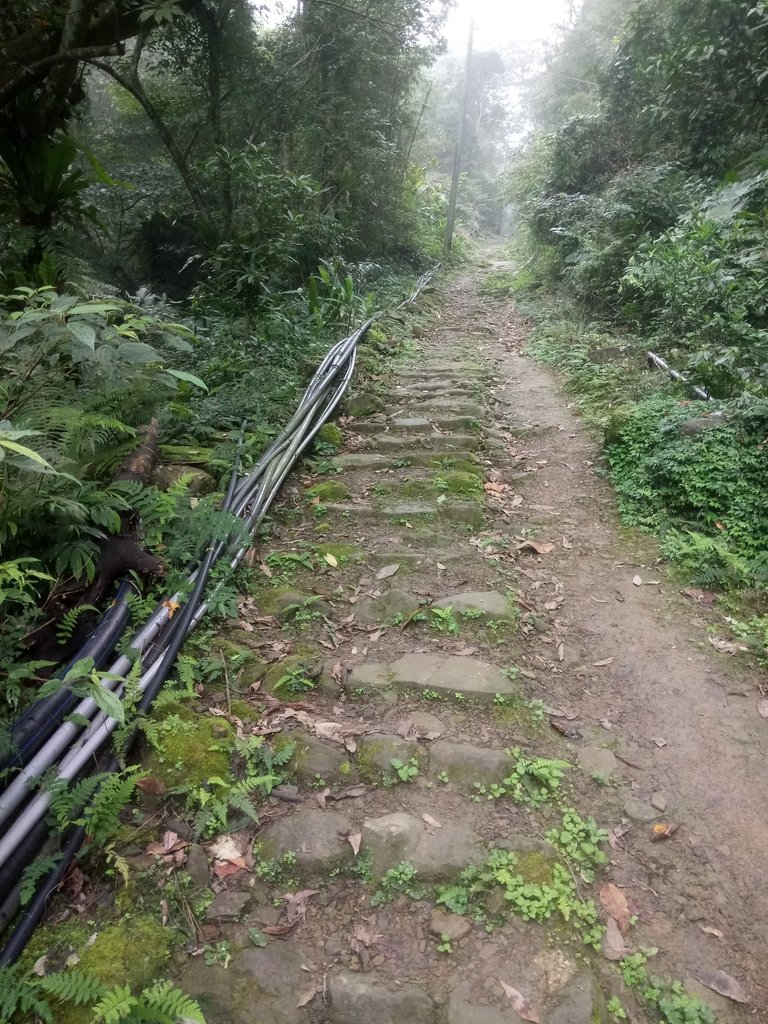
(457, 586)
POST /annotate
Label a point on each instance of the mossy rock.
(341, 552)
(306, 665)
(460, 482)
(194, 751)
(329, 433)
(133, 952)
(328, 490)
(285, 603)
(365, 405)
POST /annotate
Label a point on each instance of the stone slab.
(355, 998)
(469, 676)
(484, 605)
(436, 854)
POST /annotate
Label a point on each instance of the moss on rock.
(329, 433)
(460, 482)
(328, 490)
(188, 748)
(341, 552)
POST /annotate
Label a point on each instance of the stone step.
(408, 557)
(423, 371)
(437, 387)
(363, 460)
(434, 442)
(464, 512)
(437, 672)
(482, 605)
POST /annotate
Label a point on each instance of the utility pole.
(459, 150)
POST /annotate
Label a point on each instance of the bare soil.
(628, 667)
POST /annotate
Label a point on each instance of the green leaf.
(26, 452)
(84, 333)
(190, 378)
(109, 703)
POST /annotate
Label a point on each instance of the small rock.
(466, 764)
(377, 750)
(659, 801)
(197, 866)
(365, 999)
(315, 836)
(638, 810)
(463, 1008)
(452, 926)
(579, 1002)
(398, 837)
(228, 905)
(599, 761)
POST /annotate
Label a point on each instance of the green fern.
(39, 867)
(66, 625)
(164, 998)
(117, 1005)
(101, 819)
(19, 997)
(73, 987)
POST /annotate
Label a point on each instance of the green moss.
(341, 552)
(308, 664)
(535, 868)
(329, 433)
(323, 528)
(243, 710)
(328, 490)
(189, 748)
(134, 952)
(460, 482)
(448, 462)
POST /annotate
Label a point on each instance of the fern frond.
(115, 1005)
(101, 819)
(73, 987)
(19, 996)
(66, 625)
(33, 872)
(164, 997)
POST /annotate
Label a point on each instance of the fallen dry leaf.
(532, 545)
(354, 839)
(722, 983)
(659, 741)
(431, 821)
(567, 544)
(603, 663)
(278, 930)
(705, 597)
(266, 570)
(637, 580)
(520, 1004)
(494, 488)
(709, 930)
(152, 786)
(387, 570)
(614, 947)
(331, 560)
(614, 903)
(615, 834)
(727, 646)
(321, 797)
(296, 904)
(762, 708)
(307, 998)
(366, 936)
(663, 830)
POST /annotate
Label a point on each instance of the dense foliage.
(644, 197)
(195, 199)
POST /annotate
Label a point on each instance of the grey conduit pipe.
(250, 500)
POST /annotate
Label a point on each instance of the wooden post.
(459, 150)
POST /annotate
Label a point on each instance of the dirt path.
(470, 591)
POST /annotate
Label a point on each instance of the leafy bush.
(702, 287)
